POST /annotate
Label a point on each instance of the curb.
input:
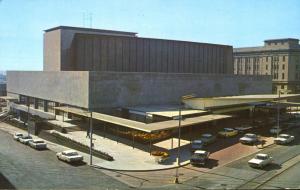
(120, 170)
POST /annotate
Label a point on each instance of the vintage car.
(196, 145)
(38, 144)
(260, 160)
(284, 139)
(69, 156)
(228, 132)
(207, 138)
(275, 130)
(18, 135)
(199, 157)
(25, 139)
(249, 138)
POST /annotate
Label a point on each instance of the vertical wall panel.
(170, 57)
(140, 55)
(146, 57)
(104, 54)
(119, 54)
(96, 57)
(126, 55)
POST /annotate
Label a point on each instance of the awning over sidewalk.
(217, 102)
(149, 128)
(8, 98)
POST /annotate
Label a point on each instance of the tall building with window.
(278, 57)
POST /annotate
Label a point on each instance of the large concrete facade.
(77, 49)
(106, 90)
(279, 58)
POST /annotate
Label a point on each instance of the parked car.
(228, 132)
(207, 138)
(249, 138)
(69, 156)
(199, 157)
(275, 130)
(18, 135)
(284, 139)
(260, 160)
(196, 145)
(25, 139)
(38, 144)
(243, 128)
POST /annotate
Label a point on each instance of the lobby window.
(283, 66)
(282, 76)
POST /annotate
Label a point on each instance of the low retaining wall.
(55, 137)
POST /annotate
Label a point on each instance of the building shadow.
(5, 183)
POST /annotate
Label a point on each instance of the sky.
(240, 23)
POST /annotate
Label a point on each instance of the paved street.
(24, 168)
(239, 175)
(18, 160)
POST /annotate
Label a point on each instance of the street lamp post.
(186, 97)
(278, 109)
(178, 148)
(91, 138)
(28, 120)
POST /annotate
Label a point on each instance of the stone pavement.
(129, 158)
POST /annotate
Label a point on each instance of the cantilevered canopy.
(8, 98)
(149, 128)
(215, 102)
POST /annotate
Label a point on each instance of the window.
(266, 67)
(282, 86)
(296, 76)
(267, 59)
(282, 76)
(283, 66)
(283, 58)
(275, 43)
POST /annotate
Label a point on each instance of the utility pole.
(91, 138)
(186, 97)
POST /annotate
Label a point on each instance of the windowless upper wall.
(77, 49)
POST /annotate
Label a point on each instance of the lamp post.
(186, 97)
(91, 138)
(278, 109)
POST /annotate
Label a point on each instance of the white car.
(275, 130)
(284, 139)
(69, 156)
(260, 160)
(18, 135)
(249, 138)
(37, 144)
(25, 139)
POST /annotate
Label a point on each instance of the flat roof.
(169, 111)
(215, 102)
(281, 39)
(90, 30)
(149, 128)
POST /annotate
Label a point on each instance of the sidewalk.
(128, 158)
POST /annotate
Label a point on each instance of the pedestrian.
(87, 133)
(263, 142)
